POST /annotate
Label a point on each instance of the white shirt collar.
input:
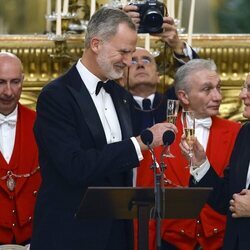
(139, 99)
(89, 79)
(13, 114)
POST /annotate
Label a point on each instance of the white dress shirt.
(7, 135)
(202, 130)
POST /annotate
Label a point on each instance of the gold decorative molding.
(43, 61)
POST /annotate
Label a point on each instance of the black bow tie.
(106, 85)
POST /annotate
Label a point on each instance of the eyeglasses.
(144, 61)
(246, 86)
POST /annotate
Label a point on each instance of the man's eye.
(146, 61)
(206, 89)
(16, 81)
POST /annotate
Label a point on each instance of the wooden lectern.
(131, 203)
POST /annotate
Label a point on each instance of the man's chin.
(214, 112)
(115, 75)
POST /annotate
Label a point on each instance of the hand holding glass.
(172, 112)
(189, 130)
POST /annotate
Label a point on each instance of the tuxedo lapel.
(121, 104)
(241, 175)
(242, 164)
(90, 114)
(87, 107)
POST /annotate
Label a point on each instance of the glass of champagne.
(189, 130)
(172, 111)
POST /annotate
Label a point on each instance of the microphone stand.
(157, 192)
(158, 209)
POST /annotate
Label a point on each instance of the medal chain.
(10, 174)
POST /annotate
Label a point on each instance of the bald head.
(11, 79)
(143, 76)
(7, 56)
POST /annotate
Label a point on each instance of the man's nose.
(140, 64)
(7, 89)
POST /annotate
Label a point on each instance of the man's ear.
(95, 44)
(183, 97)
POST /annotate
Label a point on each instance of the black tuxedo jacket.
(158, 112)
(74, 155)
(237, 230)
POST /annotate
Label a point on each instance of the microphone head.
(168, 137)
(147, 137)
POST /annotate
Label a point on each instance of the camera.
(151, 15)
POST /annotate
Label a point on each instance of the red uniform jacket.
(208, 229)
(16, 207)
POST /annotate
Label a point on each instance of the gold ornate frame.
(45, 59)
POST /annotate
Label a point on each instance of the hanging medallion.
(10, 182)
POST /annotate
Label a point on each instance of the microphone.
(147, 137)
(168, 137)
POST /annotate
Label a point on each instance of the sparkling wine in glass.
(172, 112)
(189, 130)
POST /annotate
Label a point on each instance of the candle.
(147, 42)
(48, 23)
(58, 18)
(191, 22)
(92, 7)
(171, 8)
(65, 7)
(180, 6)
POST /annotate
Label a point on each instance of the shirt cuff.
(198, 173)
(137, 148)
(187, 51)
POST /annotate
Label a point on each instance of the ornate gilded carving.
(44, 60)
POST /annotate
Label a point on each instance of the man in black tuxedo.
(231, 195)
(84, 135)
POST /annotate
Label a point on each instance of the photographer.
(182, 52)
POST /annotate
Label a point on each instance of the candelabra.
(59, 33)
(82, 10)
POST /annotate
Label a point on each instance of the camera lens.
(153, 20)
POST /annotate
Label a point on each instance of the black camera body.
(151, 15)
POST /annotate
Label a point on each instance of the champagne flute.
(172, 111)
(189, 130)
